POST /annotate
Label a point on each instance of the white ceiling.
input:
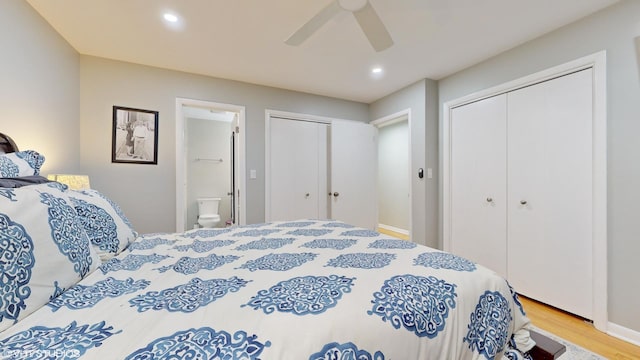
(244, 39)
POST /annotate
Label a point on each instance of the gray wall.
(39, 106)
(613, 30)
(393, 175)
(147, 192)
(421, 97)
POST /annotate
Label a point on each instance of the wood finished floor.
(578, 331)
(569, 327)
(393, 233)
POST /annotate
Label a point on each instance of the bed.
(78, 282)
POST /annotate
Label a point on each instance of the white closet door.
(550, 192)
(478, 183)
(353, 196)
(298, 170)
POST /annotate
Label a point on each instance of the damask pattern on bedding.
(21, 163)
(285, 290)
(43, 249)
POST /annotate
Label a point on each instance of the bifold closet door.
(550, 192)
(478, 182)
(297, 170)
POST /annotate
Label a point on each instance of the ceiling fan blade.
(314, 24)
(373, 27)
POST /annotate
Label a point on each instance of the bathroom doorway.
(209, 161)
(394, 174)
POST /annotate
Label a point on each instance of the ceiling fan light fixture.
(365, 15)
(352, 5)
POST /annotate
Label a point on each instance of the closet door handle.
(523, 202)
(336, 194)
(489, 200)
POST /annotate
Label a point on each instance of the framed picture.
(135, 136)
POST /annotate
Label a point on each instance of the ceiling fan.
(364, 13)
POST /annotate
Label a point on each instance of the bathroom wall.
(207, 140)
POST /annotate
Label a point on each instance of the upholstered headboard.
(7, 145)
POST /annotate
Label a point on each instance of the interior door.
(353, 173)
(478, 183)
(297, 178)
(550, 192)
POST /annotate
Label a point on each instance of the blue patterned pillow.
(106, 225)
(43, 249)
(21, 163)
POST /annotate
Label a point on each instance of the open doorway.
(394, 175)
(209, 162)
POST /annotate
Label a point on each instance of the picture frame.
(135, 136)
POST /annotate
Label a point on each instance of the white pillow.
(43, 249)
(106, 225)
(21, 163)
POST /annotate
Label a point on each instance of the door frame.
(390, 120)
(269, 113)
(597, 62)
(181, 164)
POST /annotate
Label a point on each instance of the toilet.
(208, 216)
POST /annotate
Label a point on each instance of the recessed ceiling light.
(377, 72)
(170, 17)
(172, 20)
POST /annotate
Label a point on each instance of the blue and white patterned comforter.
(285, 290)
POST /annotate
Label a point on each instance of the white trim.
(390, 120)
(300, 117)
(597, 62)
(181, 177)
(591, 61)
(267, 166)
(600, 272)
(623, 333)
(394, 229)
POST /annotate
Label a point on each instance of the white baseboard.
(623, 333)
(394, 229)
